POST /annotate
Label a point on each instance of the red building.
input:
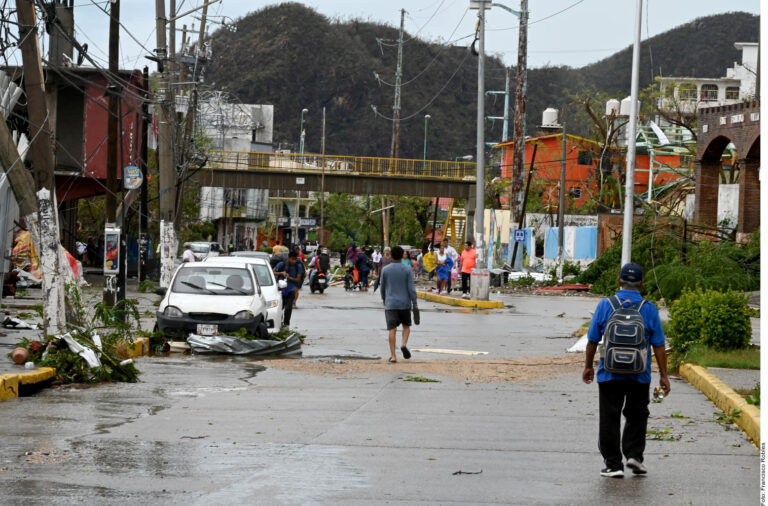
(582, 159)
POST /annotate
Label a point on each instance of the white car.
(270, 287)
(210, 298)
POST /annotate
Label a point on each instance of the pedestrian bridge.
(358, 175)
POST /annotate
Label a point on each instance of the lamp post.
(426, 122)
(301, 160)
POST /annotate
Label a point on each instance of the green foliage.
(268, 250)
(724, 419)
(699, 354)
(661, 434)
(716, 320)
(754, 397)
(147, 286)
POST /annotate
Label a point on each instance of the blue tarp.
(586, 242)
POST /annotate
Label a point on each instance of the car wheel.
(262, 331)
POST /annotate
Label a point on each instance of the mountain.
(292, 57)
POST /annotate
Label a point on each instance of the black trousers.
(464, 282)
(288, 308)
(633, 398)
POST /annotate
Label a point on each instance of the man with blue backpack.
(626, 327)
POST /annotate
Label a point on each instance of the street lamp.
(465, 157)
(301, 160)
(301, 131)
(426, 121)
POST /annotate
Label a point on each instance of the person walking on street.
(352, 254)
(468, 260)
(451, 252)
(300, 260)
(444, 266)
(399, 296)
(629, 392)
(376, 257)
(292, 271)
(363, 268)
(430, 263)
(188, 255)
(386, 259)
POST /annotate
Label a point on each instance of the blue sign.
(519, 235)
(132, 177)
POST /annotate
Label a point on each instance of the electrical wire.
(537, 20)
(433, 98)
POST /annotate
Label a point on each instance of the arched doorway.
(749, 189)
(708, 181)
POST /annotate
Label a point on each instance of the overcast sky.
(562, 32)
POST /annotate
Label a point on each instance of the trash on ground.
(12, 322)
(88, 354)
(291, 346)
(580, 346)
(178, 346)
(452, 352)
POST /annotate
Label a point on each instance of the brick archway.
(718, 126)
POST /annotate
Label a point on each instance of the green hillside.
(292, 57)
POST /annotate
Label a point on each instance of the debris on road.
(291, 346)
(451, 352)
(12, 322)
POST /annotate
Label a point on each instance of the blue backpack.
(624, 348)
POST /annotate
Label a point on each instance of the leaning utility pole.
(44, 227)
(395, 151)
(518, 163)
(113, 130)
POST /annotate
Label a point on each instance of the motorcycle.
(318, 281)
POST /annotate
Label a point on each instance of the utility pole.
(395, 151)
(629, 201)
(322, 187)
(44, 226)
(561, 206)
(518, 163)
(165, 166)
(113, 130)
(480, 276)
(144, 196)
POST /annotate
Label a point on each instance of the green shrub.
(726, 324)
(268, 249)
(147, 286)
(718, 320)
(685, 321)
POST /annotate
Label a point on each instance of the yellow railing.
(347, 165)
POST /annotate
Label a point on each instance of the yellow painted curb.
(9, 383)
(139, 348)
(725, 398)
(452, 301)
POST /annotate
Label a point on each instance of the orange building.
(582, 158)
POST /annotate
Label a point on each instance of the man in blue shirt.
(628, 391)
(399, 296)
(292, 271)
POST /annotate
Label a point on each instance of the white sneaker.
(636, 466)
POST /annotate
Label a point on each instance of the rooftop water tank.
(549, 118)
(625, 104)
(612, 107)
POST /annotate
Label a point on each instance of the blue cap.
(631, 273)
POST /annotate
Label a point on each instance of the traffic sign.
(519, 235)
(132, 177)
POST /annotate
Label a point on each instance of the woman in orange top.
(468, 260)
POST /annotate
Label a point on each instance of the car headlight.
(272, 303)
(244, 315)
(173, 312)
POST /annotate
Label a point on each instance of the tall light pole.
(629, 200)
(301, 160)
(426, 122)
(480, 282)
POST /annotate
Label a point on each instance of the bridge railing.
(347, 165)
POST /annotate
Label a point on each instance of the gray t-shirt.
(397, 288)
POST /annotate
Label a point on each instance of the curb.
(10, 384)
(452, 301)
(725, 398)
(139, 348)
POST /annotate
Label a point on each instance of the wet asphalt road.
(220, 430)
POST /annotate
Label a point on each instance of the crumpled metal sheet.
(236, 346)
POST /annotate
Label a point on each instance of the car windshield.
(213, 281)
(263, 274)
(200, 248)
